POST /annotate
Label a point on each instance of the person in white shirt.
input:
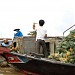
(41, 34)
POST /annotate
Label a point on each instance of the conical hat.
(16, 29)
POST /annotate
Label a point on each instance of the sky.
(58, 15)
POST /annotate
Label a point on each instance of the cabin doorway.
(48, 47)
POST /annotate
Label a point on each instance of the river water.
(9, 71)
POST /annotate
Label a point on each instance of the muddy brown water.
(9, 71)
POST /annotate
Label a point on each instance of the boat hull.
(43, 68)
(40, 66)
(37, 65)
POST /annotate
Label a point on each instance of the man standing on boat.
(41, 34)
(18, 33)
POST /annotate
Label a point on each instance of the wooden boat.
(35, 65)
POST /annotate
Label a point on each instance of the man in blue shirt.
(18, 33)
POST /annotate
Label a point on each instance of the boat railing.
(68, 29)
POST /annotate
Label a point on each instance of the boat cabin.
(27, 44)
